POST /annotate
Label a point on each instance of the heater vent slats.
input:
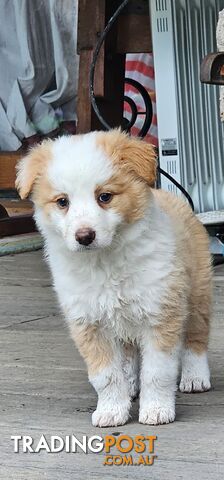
(162, 24)
(171, 167)
(172, 189)
(201, 134)
(161, 5)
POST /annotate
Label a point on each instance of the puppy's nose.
(85, 236)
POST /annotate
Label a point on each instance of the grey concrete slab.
(44, 390)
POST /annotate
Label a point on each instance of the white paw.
(155, 415)
(110, 416)
(195, 372)
(189, 384)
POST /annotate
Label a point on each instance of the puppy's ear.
(132, 153)
(31, 167)
(139, 157)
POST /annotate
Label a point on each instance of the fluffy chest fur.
(122, 287)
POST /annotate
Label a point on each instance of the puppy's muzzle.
(85, 236)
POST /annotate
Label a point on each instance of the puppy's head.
(86, 187)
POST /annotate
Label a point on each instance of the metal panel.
(200, 132)
(166, 105)
(200, 129)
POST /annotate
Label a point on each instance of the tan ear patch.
(133, 154)
(31, 167)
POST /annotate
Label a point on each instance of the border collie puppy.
(131, 268)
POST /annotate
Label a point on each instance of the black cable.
(178, 185)
(93, 98)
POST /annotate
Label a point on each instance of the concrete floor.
(44, 390)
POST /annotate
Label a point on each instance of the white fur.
(195, 372)
(158, 383)
(113, 396)
(121, 287)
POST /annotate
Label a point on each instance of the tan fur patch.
(130, 195)
(43, 192)
(133, 155)
(31, 167)
(174, 310)
(186, 316)
(95, 349)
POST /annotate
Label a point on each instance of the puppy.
(131, 269)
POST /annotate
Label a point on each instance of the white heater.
(191, 141)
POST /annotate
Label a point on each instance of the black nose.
(85, 236)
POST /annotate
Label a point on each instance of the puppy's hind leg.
(195, 370)
(130, 367)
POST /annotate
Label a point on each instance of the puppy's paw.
(195, 372)
(155, 415)
(193, 384)
(110, 416)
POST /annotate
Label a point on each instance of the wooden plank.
(8, 162)
(17, 225)
(44, 390)
(134, 34)
(17, 207)
(84, 112)
(91, 22)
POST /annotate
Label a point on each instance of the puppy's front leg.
(104, 362)
(158, 380)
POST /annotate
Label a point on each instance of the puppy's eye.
(105, 197)
(63, 202)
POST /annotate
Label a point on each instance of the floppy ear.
(140, 158)
(31, 167)
(134, 154)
